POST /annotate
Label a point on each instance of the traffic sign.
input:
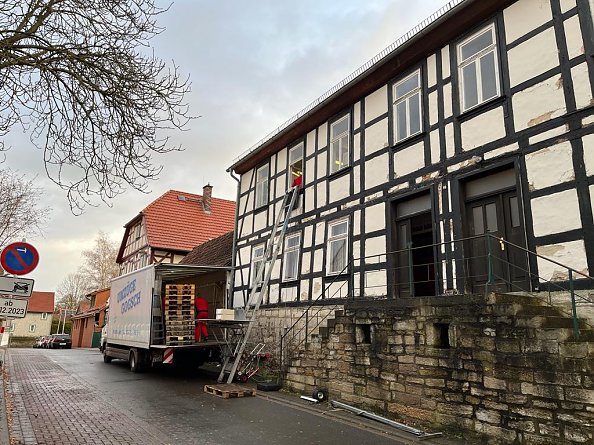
(19, 287)
(13, 307)
(19, 258)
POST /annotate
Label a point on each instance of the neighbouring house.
(171, 226)
(444, 225)
(38, 320)
(88, 321)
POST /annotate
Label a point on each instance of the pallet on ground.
(229, 390)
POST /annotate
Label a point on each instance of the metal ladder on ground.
(260, 282)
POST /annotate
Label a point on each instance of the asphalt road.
(173, 408)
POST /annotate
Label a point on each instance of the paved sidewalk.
(78, 414)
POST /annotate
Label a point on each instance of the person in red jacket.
(201, 333)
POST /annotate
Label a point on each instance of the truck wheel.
(106, 358)
(134, 360)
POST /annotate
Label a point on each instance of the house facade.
(87, 323)
(458, 160)
(479, 123)
(171, 226)
(38, 321)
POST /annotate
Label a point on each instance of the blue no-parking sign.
(19, 258)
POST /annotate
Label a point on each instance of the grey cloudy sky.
(253, 65)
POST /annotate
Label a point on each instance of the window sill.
(481, 108)
(343, 171)
(411, 140)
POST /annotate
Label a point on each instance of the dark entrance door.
(415, 257)
(497, 214)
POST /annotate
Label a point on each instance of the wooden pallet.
(179, 343)
(179, 286)
(229, 391)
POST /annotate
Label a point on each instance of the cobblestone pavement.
(72, 397)
(52, 407)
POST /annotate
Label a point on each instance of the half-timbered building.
(461, 157)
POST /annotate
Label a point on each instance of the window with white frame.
(262, 186)
(32, 328)
(337, 246)
(257, 260)
(407, 107)
(296, 165)
(339, 144)
(44, 316)
(478, 68)
(291, 257)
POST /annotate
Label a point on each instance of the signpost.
(19, 258)
(13, 307)
(19, 287)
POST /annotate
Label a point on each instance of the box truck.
(152, 316)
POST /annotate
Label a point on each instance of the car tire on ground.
(106, 358)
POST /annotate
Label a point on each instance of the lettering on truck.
(127, 298)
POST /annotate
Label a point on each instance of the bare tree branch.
(81, 78)
(100, 262)
(72, 290)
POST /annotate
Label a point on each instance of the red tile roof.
(41, 302)
(177, 220)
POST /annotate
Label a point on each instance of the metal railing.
(474, 265)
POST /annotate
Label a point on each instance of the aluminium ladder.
(260, 282)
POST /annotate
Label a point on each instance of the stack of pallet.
(179, 314)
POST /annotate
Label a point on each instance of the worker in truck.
(201, 333)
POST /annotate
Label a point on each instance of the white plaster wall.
(447, 100)
(377, 171)
(556, 213)
(573, 36)
(571, 254)
(375, 246)
(356, 115)
(339, 188)
(318, 260)
(320, 232)
(247, 228)
(548, 134)
(433, 115)
(356, 147)
(522, 17)
(375, 284)
(322, 165)
(272, 164)
(356, 179)
(482, 129)
(581, 86)
(322, 135)
(588, 142)
(357, 222)
(260, 221)
(305, 262)
(309, 199)
(567, 5)
(409, 160)
(245, 179)
(449, 140)
(533, 57)
(273, 293)
(501, 151)
(245, 255)
(307, 236)
(237, 299)
(281, 159)
(21, 325)
(289, 294)
(375, 217)
(539, 103)
(281, 186)
(357, 253)
(376, 103)
(376, 137)
(310, 143)
(321, 194)
(591, 190)
(435, 147)
(550, 166)
(309, 172)
(338, 289)
(431, 70)
(445, 62)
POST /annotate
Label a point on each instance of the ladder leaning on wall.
(260, 282)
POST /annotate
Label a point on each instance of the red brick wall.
(82, 332)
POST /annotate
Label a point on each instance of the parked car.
(57, 341)
(38, 342)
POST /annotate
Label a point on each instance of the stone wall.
(506, 367)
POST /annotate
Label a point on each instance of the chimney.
(206, 197)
